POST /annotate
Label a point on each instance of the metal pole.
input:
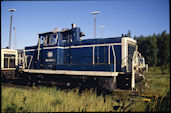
(10, 32)
(10, 10)
(15, 40)
(95, 13)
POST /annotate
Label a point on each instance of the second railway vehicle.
(110, 63)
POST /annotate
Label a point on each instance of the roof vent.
(73, 25)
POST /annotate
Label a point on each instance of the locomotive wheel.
(107, 83)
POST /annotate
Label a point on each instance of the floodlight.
(96, 12)
(11, 10)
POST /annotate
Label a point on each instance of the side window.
(101, 54)
(52, 39)
(66, 38)
(9, 61)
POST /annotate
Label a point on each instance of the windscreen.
(131, 49)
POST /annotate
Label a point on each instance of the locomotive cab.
(59, 38)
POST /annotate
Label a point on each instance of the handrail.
(38, 49)
(93, 53)
(30, 61)
(10, 57)
(133, 70)
(23, 58)
(114, 59)
(26, 60)
(109, 54)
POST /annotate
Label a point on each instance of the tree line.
(155, 48)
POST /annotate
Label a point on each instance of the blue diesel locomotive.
(113, 62)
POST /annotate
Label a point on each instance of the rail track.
(25, 84)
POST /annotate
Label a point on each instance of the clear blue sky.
(142, 17)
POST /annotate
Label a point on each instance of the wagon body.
(9, 61)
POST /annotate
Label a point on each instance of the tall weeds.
(51, 99)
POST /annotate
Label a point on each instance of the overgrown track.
(26, 81)
(26, 84)
(60, 81)
(124, 98)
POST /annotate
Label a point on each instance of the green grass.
(157, 82)
(53, 100)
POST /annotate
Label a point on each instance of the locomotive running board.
(68, 72)
(8, 69)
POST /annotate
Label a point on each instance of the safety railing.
(134, 64)
(26, 60)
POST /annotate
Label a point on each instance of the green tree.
(151, 50)
(155, 48)
(163, 44)
(142, 45)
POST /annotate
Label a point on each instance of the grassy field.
(53, 100)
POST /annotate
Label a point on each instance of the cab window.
(42, 40)
(52, 39)
(49, 39)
